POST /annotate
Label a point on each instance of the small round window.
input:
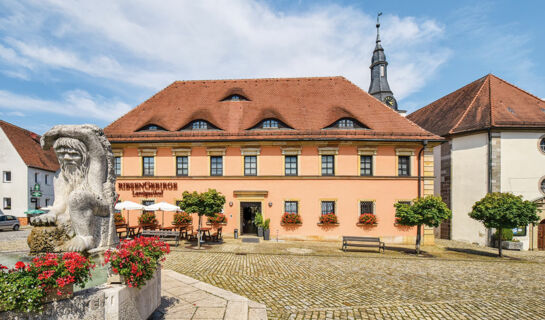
(542, 185)
(542, 144)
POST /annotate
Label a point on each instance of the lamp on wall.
(230, 203)
(270, 204)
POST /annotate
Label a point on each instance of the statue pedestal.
(46, 239)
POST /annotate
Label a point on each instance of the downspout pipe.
(489, 161)
(424, 144)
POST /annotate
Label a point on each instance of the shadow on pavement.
(479, 253)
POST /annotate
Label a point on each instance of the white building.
(496, 143)
(25, 168)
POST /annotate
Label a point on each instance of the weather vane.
(378, 22)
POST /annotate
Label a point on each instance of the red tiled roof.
(27, 144)
(305, 104)
(489, 102)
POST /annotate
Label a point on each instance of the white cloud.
(149, 45)
(76, 103)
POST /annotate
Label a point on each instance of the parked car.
(9, 223)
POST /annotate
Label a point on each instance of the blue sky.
(68, 62)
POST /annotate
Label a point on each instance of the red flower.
(20, 265)
(3, 267)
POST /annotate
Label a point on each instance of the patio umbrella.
(163, 206)
(128, 205)
(34, 211)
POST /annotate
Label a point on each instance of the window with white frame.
(182, 166)
(367, 207)
(291, 207)
(117, 166)
(148, 166)
(7, 176)
(216, 165)
(404, 166)
(7, 203)
(250, 165)
(328, 165)
(328, 207)
(290, 165)
(366, 165)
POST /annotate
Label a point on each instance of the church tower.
(379, 87)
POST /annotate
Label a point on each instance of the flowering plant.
(368, 218)
(328, 218)
(219, 218)
(147, 217)
(182, 218)
(291, 218)
(137, 259)
(24, 287)
(118, 218)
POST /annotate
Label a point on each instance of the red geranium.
(368, 218)
(219, 218)
(20, 265)
(137, 259)
(291, 218)
(329, 218)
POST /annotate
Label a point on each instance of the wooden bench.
(162, 234)
(359, 242)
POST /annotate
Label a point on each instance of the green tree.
(207, 203)
(429, 211)
(504, 211)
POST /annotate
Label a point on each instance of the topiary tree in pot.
(504, 211)
(258, 222)
(266, 229)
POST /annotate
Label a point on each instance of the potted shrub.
(367, 219)
(291, 218)
(182, 218)
(219, 218)
(328, 219)
(137, 260)
(266, 229)
(118, 218)
(258, 222)
(148, 217)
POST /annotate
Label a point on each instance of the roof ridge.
(258, 79)
(470, 105)
(392, 110)
(431, 103)
(516, 87)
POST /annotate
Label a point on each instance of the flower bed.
(137, 260)
(25, 287)
(219, 218)
(147, 218)
(291, 218)
(181, 218)
(367, 219)
(118, 218)
(329, 218)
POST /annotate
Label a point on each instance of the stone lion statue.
(84, 187)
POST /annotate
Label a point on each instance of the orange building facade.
(306, 145)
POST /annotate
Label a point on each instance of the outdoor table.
(171, 228)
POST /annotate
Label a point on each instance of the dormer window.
(346, 123)
(235, 97)
(200, 125)
(152, 127)
(269, 124)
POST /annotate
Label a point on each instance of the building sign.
(147, 189)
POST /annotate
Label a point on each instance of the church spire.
(379, 87)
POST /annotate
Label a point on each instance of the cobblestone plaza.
(316, 280)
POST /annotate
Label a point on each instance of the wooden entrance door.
(541, 235)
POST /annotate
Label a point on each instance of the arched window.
(235, 97)
(152, 127)
(542, 185)
(199, 125)
(542, 144)
(346, 123)
(270, 124)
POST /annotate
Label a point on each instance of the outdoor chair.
(216, 236)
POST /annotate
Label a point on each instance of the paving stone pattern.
(374, 286)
